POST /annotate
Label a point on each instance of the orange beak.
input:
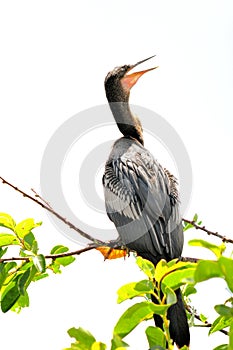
(129, 80)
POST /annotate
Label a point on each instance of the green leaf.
(40, 276)
(59, 249)
(30, 242)
(217, 250)
(155, 337)
(160, 270)
(4, 270)
(8, 239)
(9, 296)
(221, 322)
(222, 347)
(84, 340)
(195, 218)
(117, 343)
(176, 278)
(26, 265)
(173, 262)
(2, 252)
(224, 310)
(39, 262)
(207, 269)
(66, 260)
(170, 295)
(98, 346)
(25, 226)
(55, 267)
(136, 314)
(146, 266)
(134, 289)
(132, 317)
(187, 226)
(23, 280)
(23, 301)
(82, 336)
(189, 289)
(226, 266)
(203, 318)
(16, 286)
(180, 265)
(7, 221)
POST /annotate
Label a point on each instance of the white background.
(54, 57)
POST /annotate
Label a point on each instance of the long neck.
(127, 123)
(118, 100)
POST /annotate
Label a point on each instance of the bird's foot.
(116, 244)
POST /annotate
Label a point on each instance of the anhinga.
(141, 196)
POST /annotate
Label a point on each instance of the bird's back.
(142, 201)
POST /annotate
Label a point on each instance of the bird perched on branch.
(141, 197)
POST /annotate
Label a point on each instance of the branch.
(188, 259)
(53, 256)
(45, 205)
(216, 234)
(60, 217)
(205, 323)
(42, 199)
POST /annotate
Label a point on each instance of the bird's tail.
(179, 329)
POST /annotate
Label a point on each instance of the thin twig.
(188, 259)
(52, 256)
(203, 228)
(205, 323)
(42, 199)
(60, 217)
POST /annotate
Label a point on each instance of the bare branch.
(42, 199)
(60, 217)
(188, 259)
(202, 228)
(53, 256)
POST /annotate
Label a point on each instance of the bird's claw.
(116, 244)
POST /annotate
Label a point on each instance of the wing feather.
(139, 201)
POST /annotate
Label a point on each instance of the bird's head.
(119, 81)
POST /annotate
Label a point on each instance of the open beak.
(129, 80)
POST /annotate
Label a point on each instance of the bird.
(141, 196)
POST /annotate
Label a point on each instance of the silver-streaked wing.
(140, 202)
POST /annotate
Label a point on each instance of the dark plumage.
(141, 197)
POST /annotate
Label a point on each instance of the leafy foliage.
(144, 310)
(161, 281)
(15, 278)
(166, 278)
